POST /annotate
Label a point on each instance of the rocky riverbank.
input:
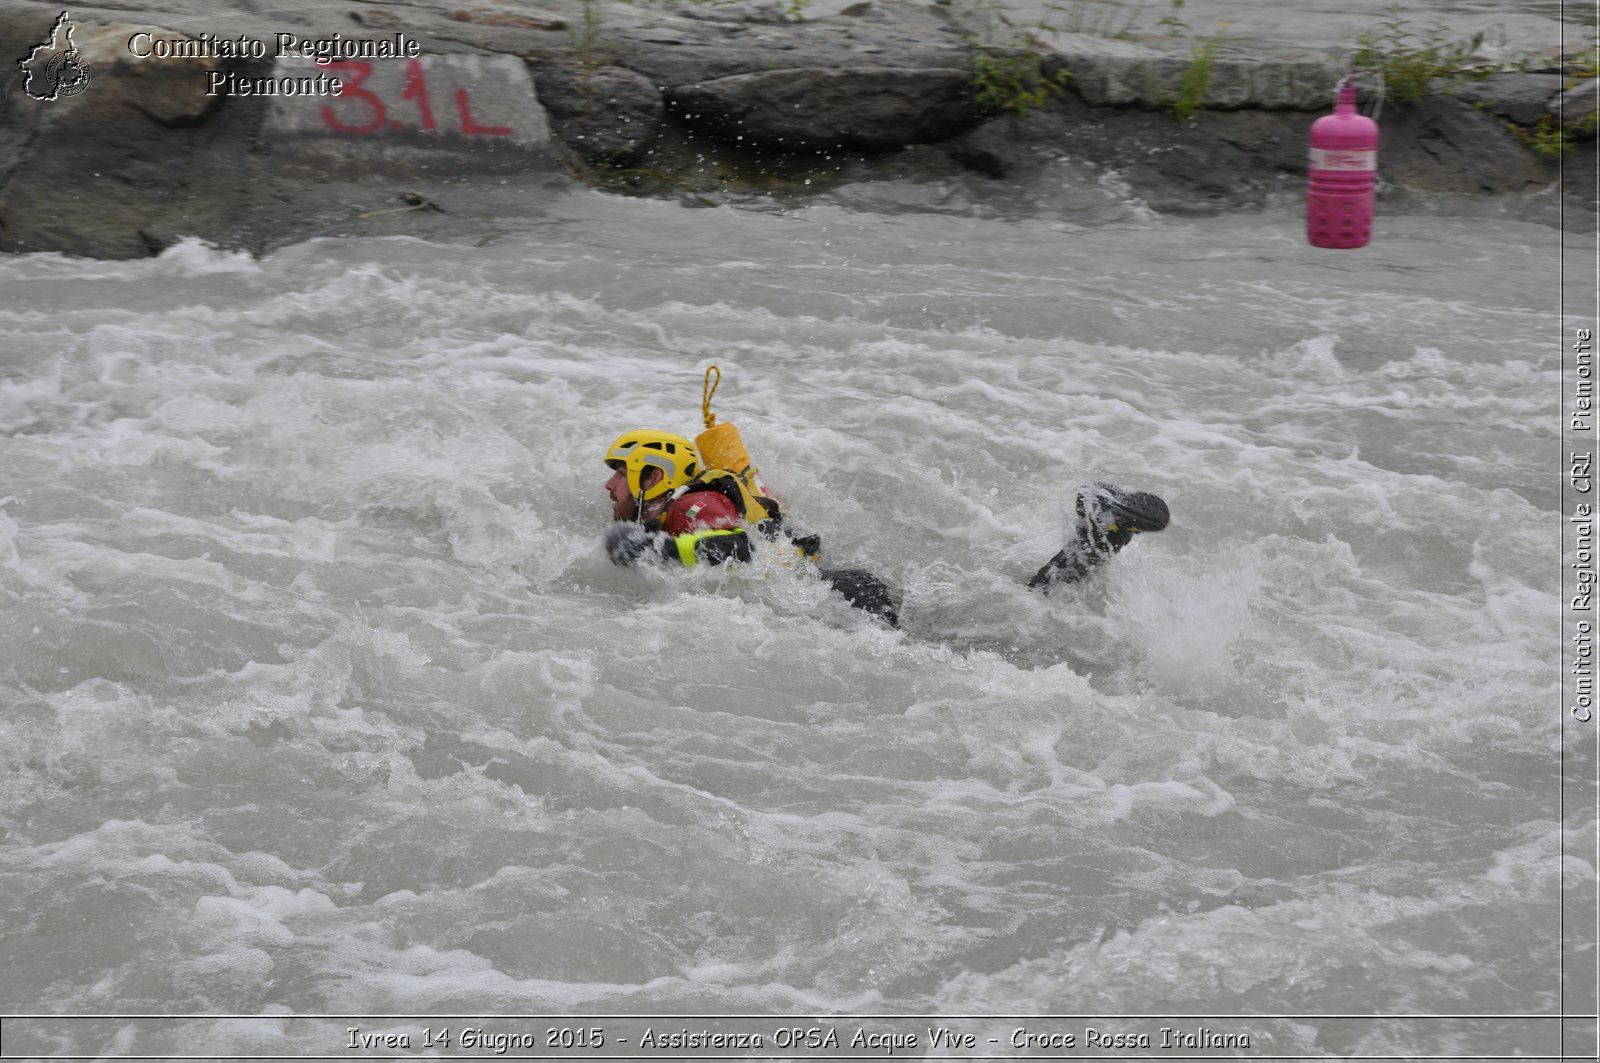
(476, 106)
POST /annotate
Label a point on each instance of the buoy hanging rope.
(1383, 92)
(713, 378)
(720, 445)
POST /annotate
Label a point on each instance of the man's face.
(623, 505)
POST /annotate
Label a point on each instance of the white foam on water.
(315, 669)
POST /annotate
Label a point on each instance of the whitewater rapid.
(322, 699)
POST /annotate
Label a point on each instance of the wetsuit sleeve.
(704, 526)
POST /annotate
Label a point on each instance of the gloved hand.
(626, 542)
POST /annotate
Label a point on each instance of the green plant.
(1196, 76)
(1196, 79)
(586, 42)
(1010, 76)
(1549, 138)
(1173, 21)
(1014, 82)
(1407, 61)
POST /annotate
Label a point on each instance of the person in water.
(667, 507)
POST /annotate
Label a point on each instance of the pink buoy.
(1344, 165)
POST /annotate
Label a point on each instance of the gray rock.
(1131, 74)
(1522, 98)
(705, 49)
(606, 115)
(1278, 139)
(472, 105)
(1295, 82)
(1109, 73)
(739, 11)
(1182, 169)
(1174, 169)
(1575, 108)
(172, 92)
(870, 108)
(1581, 191)
(95, 169)
(101, 184)
(1442, 144)
(143, 155)
(1557, 59)
(1012, 148)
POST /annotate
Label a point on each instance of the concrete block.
(388, 107)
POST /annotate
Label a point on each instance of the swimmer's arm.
(714, 546)
(628, 544)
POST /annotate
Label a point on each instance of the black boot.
(1108, 518)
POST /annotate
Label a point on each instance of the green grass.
(1008, 76)
(1408, 59)
(1014, 82)
(586, 42)
(1196, 79)
(1549, 139)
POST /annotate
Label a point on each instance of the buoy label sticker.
(1324, 159)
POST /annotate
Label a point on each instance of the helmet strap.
(638, 508)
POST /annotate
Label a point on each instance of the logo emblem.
(54, 69)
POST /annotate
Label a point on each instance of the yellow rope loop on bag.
(709, 390)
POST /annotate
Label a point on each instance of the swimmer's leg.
(864, 591)
(1108, 517)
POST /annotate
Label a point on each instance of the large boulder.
(1443, 144)
(1522, 98)
(1179, 168)
(128, 155)
(606, 115)
(121, 71)
(1575, 108)
(1115, 73)
(1173, 168)
(813, 110)
(171, 91)
(698, 42)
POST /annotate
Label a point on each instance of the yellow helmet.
(646, 448)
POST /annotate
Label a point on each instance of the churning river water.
(321, 698)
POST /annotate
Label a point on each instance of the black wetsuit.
(1107, 520)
